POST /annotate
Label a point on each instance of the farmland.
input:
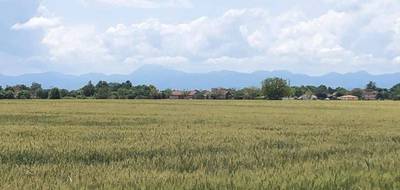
(149, 144)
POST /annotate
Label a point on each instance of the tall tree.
(89, 90)
(395, 91)
(357, 92)
(275, 88)
(24, 94)
(9, 94)
(371, 86)
(43, 93)
(321, 92)
(54, 94)
(127, 85)
(2, 93)
(251, 93)
(102, 90)
(64, 93)
(340, 91)
(35, 88)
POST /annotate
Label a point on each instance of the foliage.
(341, 91)
(42, 93)
(89, 90)
(249, 93)
(8, 94)
(165, 94)
(383, 94)
(54, 93)
(64, 93)
(357, 92)
(299, 91)
(371, 86)
(102, 90)
(395, 91)
(23, 94)
(322, 92)
(275, 88)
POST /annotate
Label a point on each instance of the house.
(176, 94)
(308, 96)
(220, 94)
(369, 95)
(207, 94)
(348, 98)
(194, 94)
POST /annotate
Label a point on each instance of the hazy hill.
(167, 78)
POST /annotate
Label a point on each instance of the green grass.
(73, 144)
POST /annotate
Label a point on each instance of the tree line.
(271, 88)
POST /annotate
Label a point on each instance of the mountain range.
(164, 78)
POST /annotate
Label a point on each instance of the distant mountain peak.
(163, 77)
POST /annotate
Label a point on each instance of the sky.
(312, 37)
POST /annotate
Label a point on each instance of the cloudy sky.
(119, 36)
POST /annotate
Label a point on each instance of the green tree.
(123, 93)
(54, 94)
(299, 91)
(321, 92)
(237, 94)
(42, 94)
(102, 90)
(371, 86)
(2, 93)
(127, 85)
(383, 94)
(357, 92)
(395, 91)
(73, 93)
(251, 93)
(34, 89)
(9, 94)
(64, 93)
(341, 91)
(24, 94)
(153, 92)
(313, 89)
(89, 90)
(131, 94)
(275, 88)
(165, 94)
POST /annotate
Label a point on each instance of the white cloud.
(144, 3)
(75, 42)
(242, 40)
(43, 19)
(37, 23)
(396, 60)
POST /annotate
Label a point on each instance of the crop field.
(149, 144)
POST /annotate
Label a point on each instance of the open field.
(73, 144)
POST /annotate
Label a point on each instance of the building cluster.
(215, 93)
(365, 95)
(224, 94)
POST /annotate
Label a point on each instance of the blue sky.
(118, 36)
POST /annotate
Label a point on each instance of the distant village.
(271, 89)
(226, 94)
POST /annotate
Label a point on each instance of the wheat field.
(149, 144)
